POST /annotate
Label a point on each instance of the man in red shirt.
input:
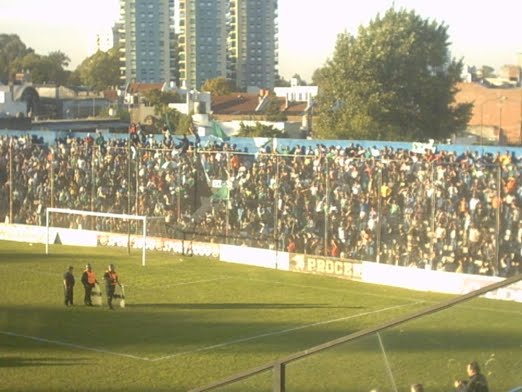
(111, 281)
(88, 281)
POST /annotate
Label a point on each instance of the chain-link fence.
(436, 211)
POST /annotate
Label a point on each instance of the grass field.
(190, 321)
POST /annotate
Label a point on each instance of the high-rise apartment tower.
(252, 43)
(192, 41)
(147, 41)
(201, 31)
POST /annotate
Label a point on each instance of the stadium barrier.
(74, 237)
(416, 209)
(255, 257)
(38, 235)
(368, 272)
(437, 281)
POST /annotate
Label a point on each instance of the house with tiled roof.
(233, 109)
(235, 105)
(230, 110)
(141, 88)
(496, 116)
(192, 102)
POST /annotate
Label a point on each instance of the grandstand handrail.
(279, 365)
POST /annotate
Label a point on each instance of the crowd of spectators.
(434, 209)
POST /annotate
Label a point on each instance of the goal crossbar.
(142, 218)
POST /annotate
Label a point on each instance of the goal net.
(78, 227)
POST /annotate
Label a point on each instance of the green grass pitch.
(190, 321)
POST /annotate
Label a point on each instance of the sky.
(480, 33)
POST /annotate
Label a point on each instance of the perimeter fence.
(438, 211)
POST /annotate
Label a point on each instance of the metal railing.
(278, 367)
(400, 208)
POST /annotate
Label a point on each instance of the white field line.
(71, 345)
(206, 348)
(160, 286)
(191, 282)
(343, 290)
(324, 288)
(283, 331)
(387, 363)
(231, 342)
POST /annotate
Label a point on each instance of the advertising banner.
(160, 244)
(335, 267)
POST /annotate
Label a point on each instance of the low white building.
(297, 93)
(9, 106)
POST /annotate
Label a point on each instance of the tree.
(44, 69)
(182, 122)
(281, 82)
(101, 70)
(11, 49)
(317, 77)
(259, 130)
(300, 81)
(394, 81)
(488, 72)
(273, 111)
(16, 57)
(158, 98)
(218, 86)
(177, 122)
(33, 63)
(58, 62)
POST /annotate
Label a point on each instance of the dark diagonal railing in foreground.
(279, 365)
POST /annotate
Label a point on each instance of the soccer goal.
(100, 228)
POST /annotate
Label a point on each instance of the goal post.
(103, 215)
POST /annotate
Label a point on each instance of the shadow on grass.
(21, 252)
(21, 257)
(139, 327)
(14, 361)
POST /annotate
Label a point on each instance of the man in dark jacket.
(68, 286)
(476, 383)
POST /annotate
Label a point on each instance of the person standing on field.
(88, 281)
(68, 286)
(111, 281)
